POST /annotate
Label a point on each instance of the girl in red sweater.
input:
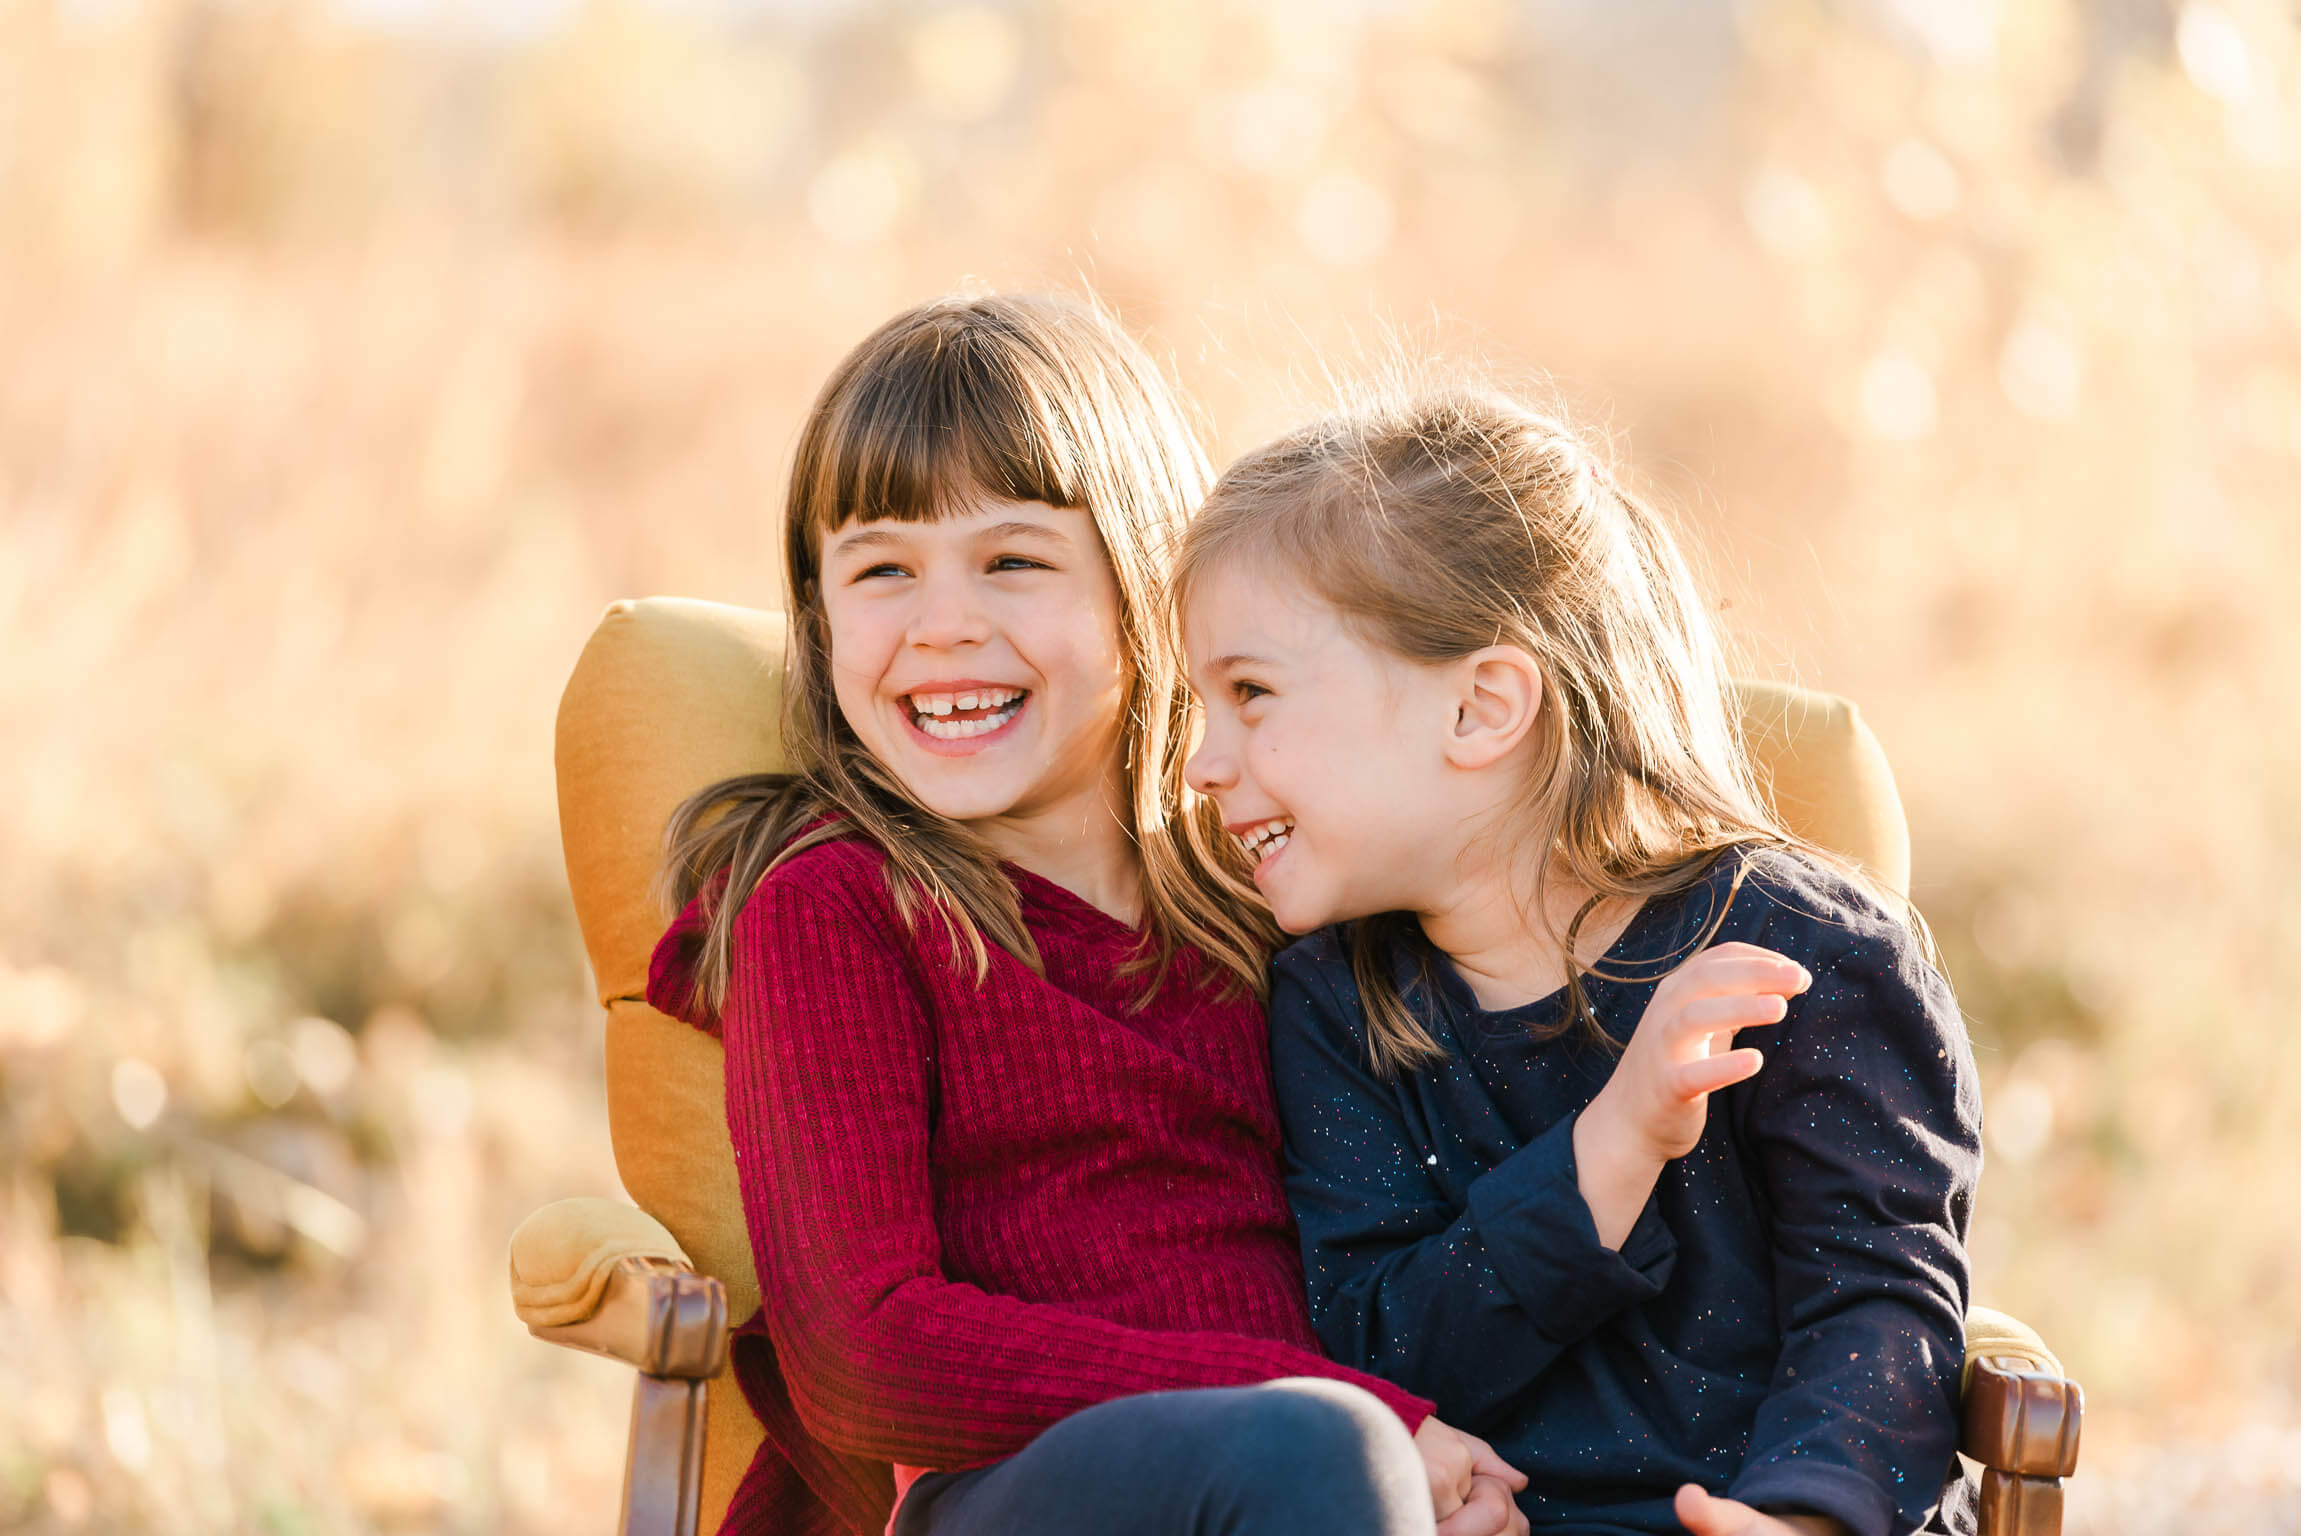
(997, 1072)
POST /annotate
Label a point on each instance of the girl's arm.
(1466, 1306)
(1865, 1129)
(830, 1066)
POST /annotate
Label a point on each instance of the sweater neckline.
(1067, 907)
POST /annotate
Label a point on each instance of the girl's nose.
(1207, 770)
(947, 616)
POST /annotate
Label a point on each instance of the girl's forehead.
(1249, 608)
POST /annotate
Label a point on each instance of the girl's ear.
(1498, 694)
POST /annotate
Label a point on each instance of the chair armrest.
(2021, 1413)
(2020, 1419)
(563, 1255)
(658, 1317)
(605, 1277)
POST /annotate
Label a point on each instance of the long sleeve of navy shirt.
(1785, 1322)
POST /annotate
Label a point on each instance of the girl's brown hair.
(1443, 523)
(1020, 398)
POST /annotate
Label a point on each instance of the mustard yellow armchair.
(672, 694)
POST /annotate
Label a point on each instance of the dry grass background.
(352, 357)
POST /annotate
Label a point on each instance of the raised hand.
(1654, 1106)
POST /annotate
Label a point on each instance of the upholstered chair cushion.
(563, 1255)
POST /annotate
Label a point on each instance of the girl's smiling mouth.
(1263, 840)
(956, 717)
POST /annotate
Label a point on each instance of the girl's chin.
(1292, 913)
(974, 787)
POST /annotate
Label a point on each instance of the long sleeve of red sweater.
(832, 1105)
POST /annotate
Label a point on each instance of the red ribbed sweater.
(979, 1208)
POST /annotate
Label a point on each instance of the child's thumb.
(1703, 1515)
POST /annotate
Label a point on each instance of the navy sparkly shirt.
(1785, 1322)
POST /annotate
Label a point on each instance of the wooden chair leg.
(2014, 1505)
(671, 1324)
(663, 1466)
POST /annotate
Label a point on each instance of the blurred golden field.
(353, 355)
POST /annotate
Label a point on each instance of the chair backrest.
(671, 694)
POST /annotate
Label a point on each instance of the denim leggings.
(1301, 1457)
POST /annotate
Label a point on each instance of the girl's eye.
(1019, 563)
(884, 568)
(1246, 692)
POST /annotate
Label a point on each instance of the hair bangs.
(948, 421)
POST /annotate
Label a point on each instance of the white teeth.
(959, 730)
(1260, 842)
(929, 711)
(945, 703)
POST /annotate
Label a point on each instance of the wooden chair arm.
(2022, 1425)
(655, 1315)
(606, 1278)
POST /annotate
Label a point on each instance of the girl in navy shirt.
(1467, 716)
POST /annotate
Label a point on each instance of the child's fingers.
(1735, 948)
(1749, 969)
(1489, 1511)
(1706, 1516)
(1707, 1074)
(1740, 1010)
(1485, 1462)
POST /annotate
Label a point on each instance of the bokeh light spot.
(1897, 395)
(139, 1092)
(964, 62)
(2039, 370)
(1344, 220)
(1918, 181)
(2214, 54)
(1785, 212)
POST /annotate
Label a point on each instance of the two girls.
(997, 1066)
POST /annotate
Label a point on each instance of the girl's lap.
(1300, 1455)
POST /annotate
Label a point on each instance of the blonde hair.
(1022, 398)
(1443, 523)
